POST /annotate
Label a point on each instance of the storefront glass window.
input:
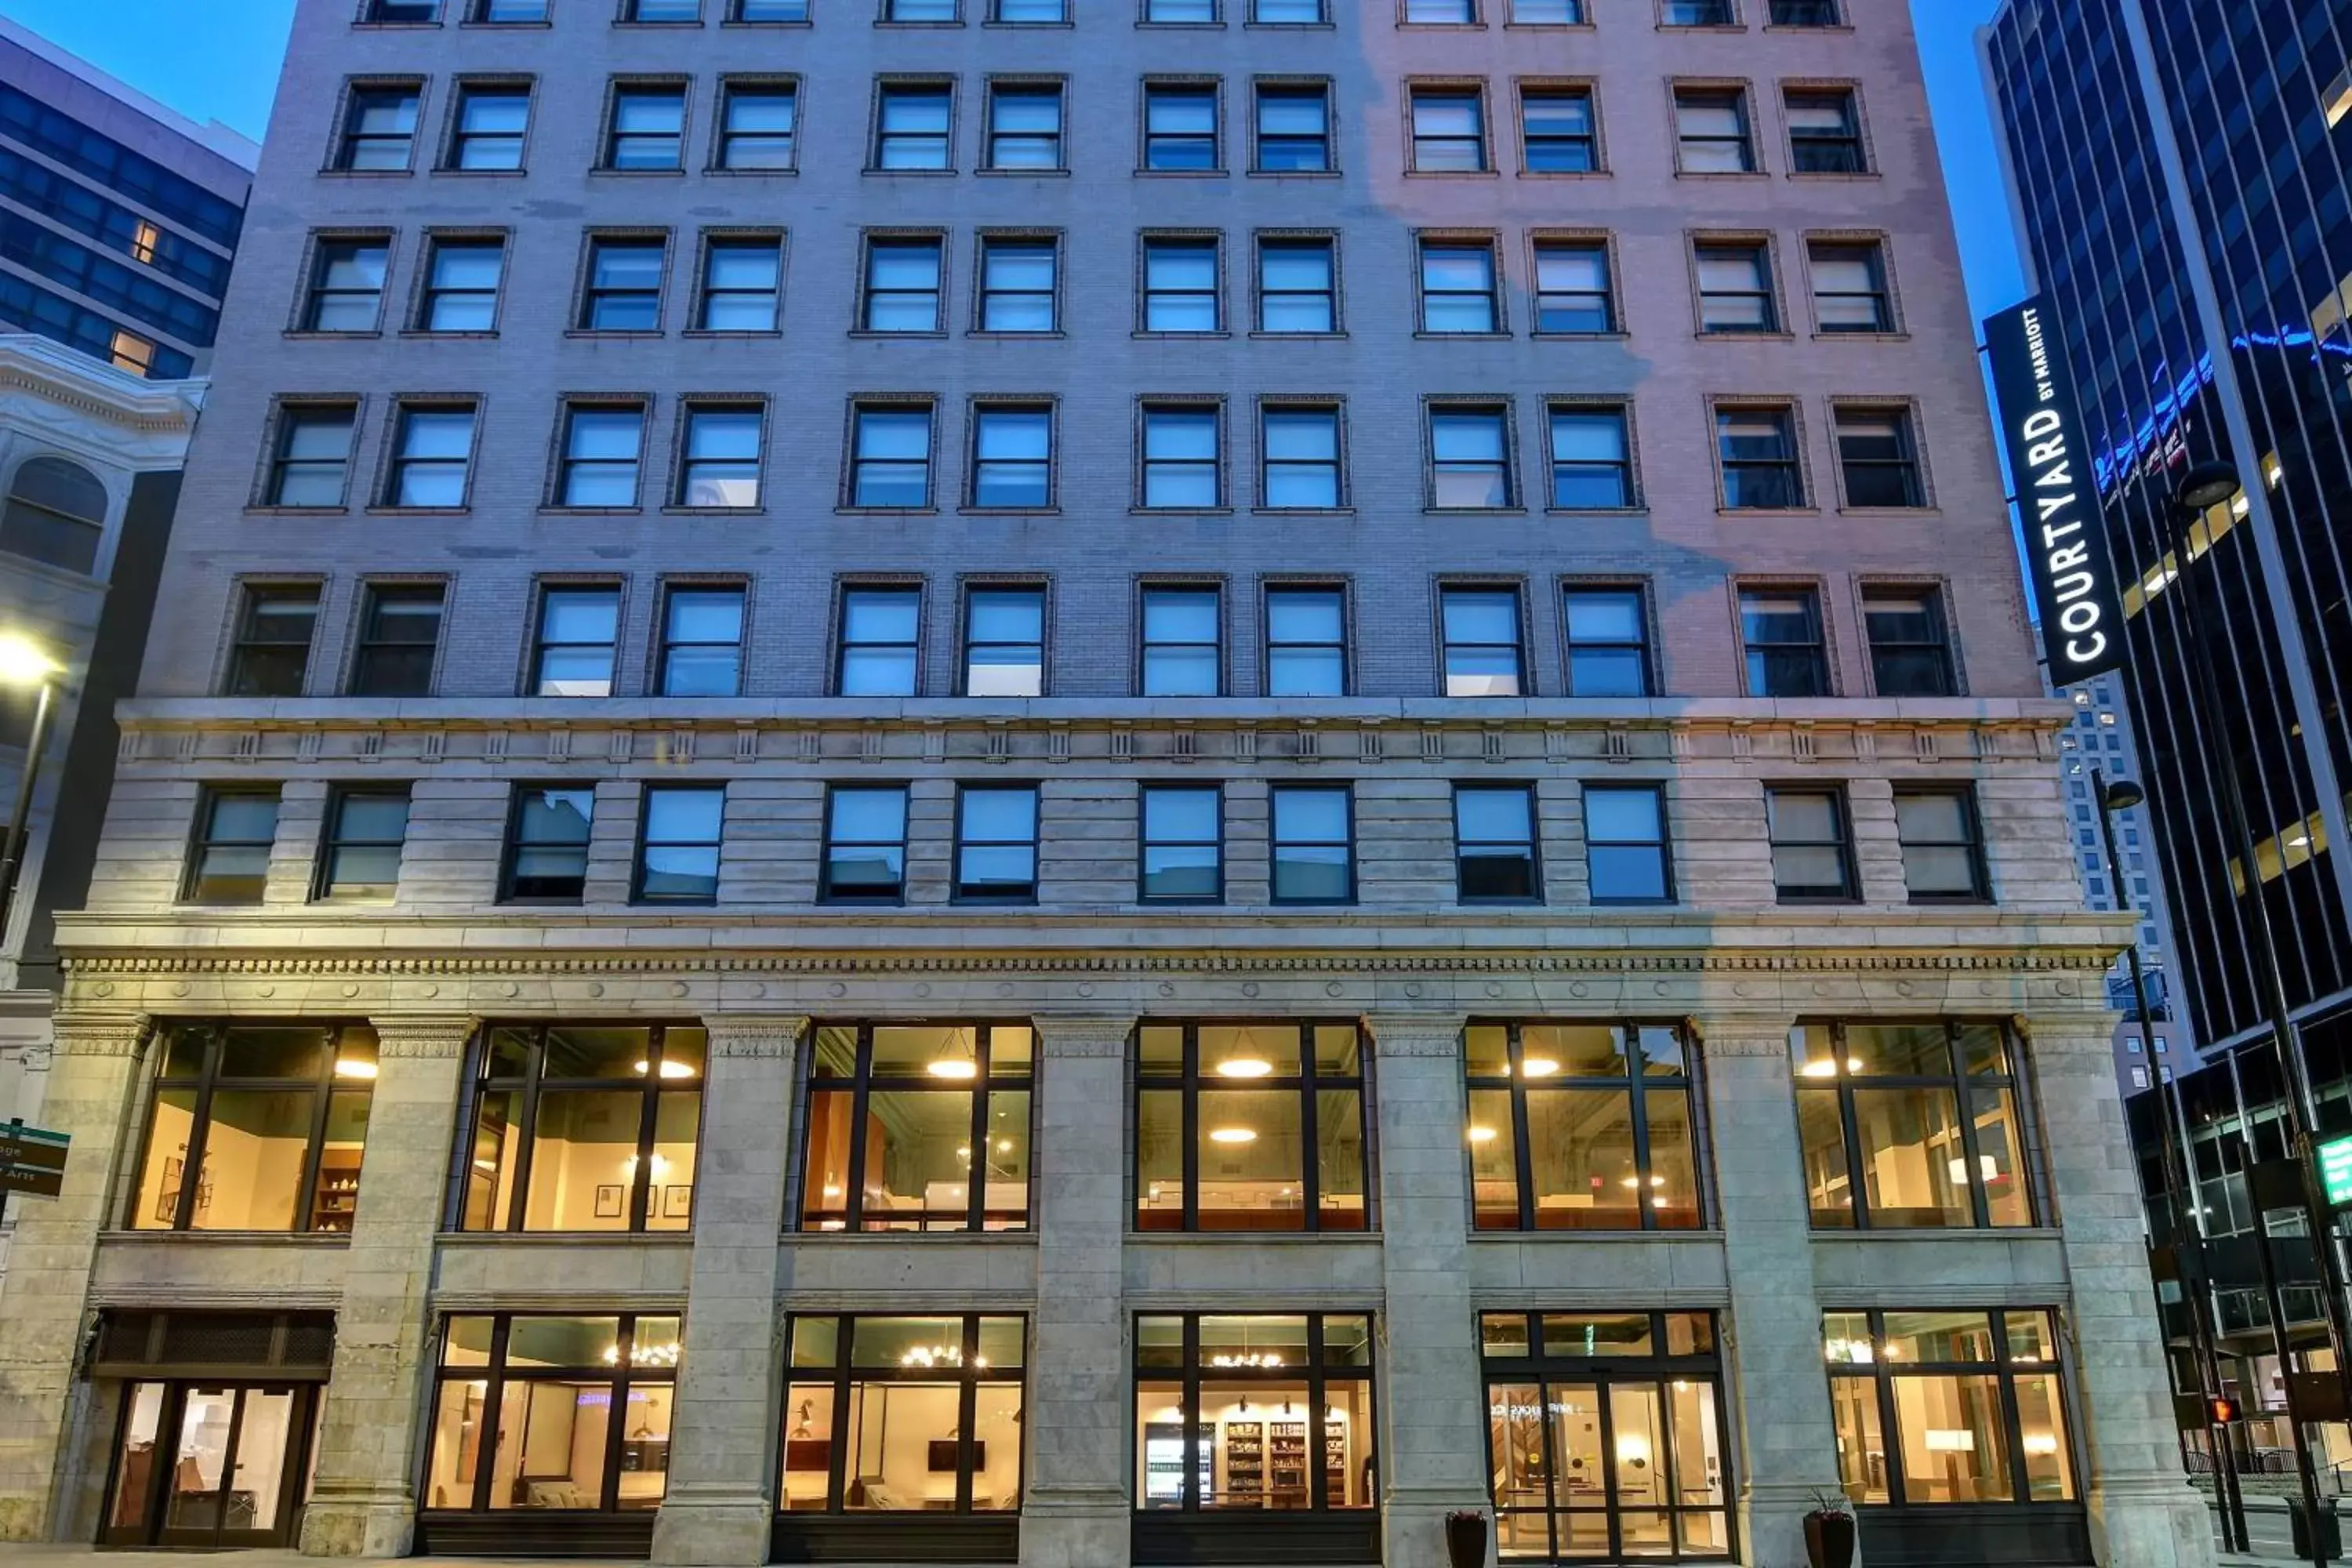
(1250, 1127)
(1974, 1399)
(903, 1415)
(917, 1128)
(1265, 1413)
(1911, 1126)
(1582, 1127)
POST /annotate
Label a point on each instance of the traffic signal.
(2222, 1411)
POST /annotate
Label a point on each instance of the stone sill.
(852, 1240)
(1712, 1237)
(330, 1240)
(458, 1240)
(2036, 1233)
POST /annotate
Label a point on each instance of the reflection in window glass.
(1919, 1120)
(1957, 1388)
(1582, 1127)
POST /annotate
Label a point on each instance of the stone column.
(1789, 1439)
(1075, 1512)
(2143, 1513)
(722, 1479)
(1433, 1457)
(364, 1499)
(92, 1077)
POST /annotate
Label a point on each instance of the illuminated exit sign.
(2336, 1171)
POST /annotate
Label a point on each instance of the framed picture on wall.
(678, 1202)
(612, 1202)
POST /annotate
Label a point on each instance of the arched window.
(56, 514)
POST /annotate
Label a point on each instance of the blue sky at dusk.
(218, 59)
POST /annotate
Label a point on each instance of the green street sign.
(32, 1160)
(2336, 1171)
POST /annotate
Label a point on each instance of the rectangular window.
(1012, 457)
(702, 642)
(677, 845)
(1757, 449)
(647, 133)
(1495, 857)
(1288, 13)
(624, 285)
(1449, 132)
(1558, 131)
(1470, 457)
(1225, 1417)
(1483, 654)
(1547, 13)
(257, 1127)
(360, 861)
(879, 642)
(398, 12)
(1974, 1402)
(586, 1128)
(1812, 846)
(346, 285)
(1180, 128)
(757, 124)
(582, 1407)
(947, 1393)
(1180, 285)
(1627, 1410)
(890, 458)
(1314, 844)
(917, 1129)
(1184, 652)
(271, 652)
(1711, 131)
(1457, 287)
(229, 862)
(1608, 642)
(1305, 642)
(400, 630)
(1182, 467)
(1943, 847)
(1735, 288)
(1574, 293)
(996, 844)
(1804, 13)
(1298, 446)
(489, 128)
(312, 464)
(1878, 457)
(547, 846)
(742, 286)
(1181, 13)
(1293, 130)
(911, 126)
(1910, 649)
(1298, 287)
(1004, 642)
(1850, 293)
(865, 846)
(379, 131)
(902, 285)
(792, 11)
(461, 286)
(601, 446)
(1183, 844)
(1582, 1127)
(432, 449)
(1626, 856)
(1592, 458)
(1250, 1127)
(654, 11)
(1028, 13)
(935, 11)
(1017, 285)
(1441, 12)
(1825, 132)
(578, 632)
(1696, 13)
(1911, 1126)
(719, 467)
(510, 12)
(1024, 125)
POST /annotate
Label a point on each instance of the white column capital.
(771, 1035)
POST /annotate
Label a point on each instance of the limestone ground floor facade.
(1081, 1259)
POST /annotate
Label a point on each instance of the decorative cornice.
(1401, 1034)
(424, 1037)
(85, 1032)
(756, 1036)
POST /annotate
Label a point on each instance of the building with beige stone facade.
(1081, 782)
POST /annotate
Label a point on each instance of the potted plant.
(1829, 1531)
(1465, 1539)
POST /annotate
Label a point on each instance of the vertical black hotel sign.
(2057, 497)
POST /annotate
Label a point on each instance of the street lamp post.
(2180, 1190)
(24, 664)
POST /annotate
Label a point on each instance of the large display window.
(1912, 1126)
(1582, 1127)
(917, 1127)
(1250, 1127)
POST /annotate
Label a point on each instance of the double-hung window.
(228, 863)
(1825, 132)
(1314, 844)
(1470, 457)
(399, 629)
(1735, 288)
(1781, 628)
(1305, 641)
(1626, 858)
(1025, 126)
(702, 642)
(743, 285)
(719, 467)
(1878, 459)
(271, 653)
(1296, 286)
(917, 1128)
(1179, 284)
(1028, 13)
(346, 285)
(1574, 293)
(547, 846)
(1695, 14)
(1813, 845)
(359, 861)
(1299, 448)
(1181, 13)
(624, 285)
(1804, 13)
(1558, 131)
(1939, 1407)
(902, 285)
(1608, 642)
(1182, 467)
(1183, 844)
(1017, 285)
(379, 129)
(491, 122)
(757, 125)
(256, 1127)
(996, 844)
(1180, 128)
(1266, 1414)
(312, 464)
(919, 1416)
(1482, 647)
(1547, 13)
(1182, 652)
(1582, 1127)
(1288, 13)
(1850, 291)
(678, 844)
(461, 286)
(1293, 130)
(1591, 458)
(1756, 448)
(1458, 287)
(579, 635)
(433, 447)
(911, 126)
(1711, 129)
(880, 642)
(647, 133)
(1449, 132)
(865, 845)
(602, 442)
(1494, 855)
(1943, 845)
(1911, 1126)
(1004, 642)
(1910, 648)
(890, 456)
(1250, 1127)
(582, 1128)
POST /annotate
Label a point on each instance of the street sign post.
(32, 1160)
(2334, 1158)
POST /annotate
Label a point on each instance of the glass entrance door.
(208, 1465)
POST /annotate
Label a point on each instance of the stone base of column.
(360, 1525)
(1772, 1514)
(2161, 1522)
(1077, 1529)
(1413, 1526)
(722, 1532)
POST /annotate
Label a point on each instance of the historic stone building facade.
(1076, 783)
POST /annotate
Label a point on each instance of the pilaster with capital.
(1076, 1508)
(721, 1497)
(2143, 1511)
(1788, 1435)
(364, 1500)
(1433, 1456)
